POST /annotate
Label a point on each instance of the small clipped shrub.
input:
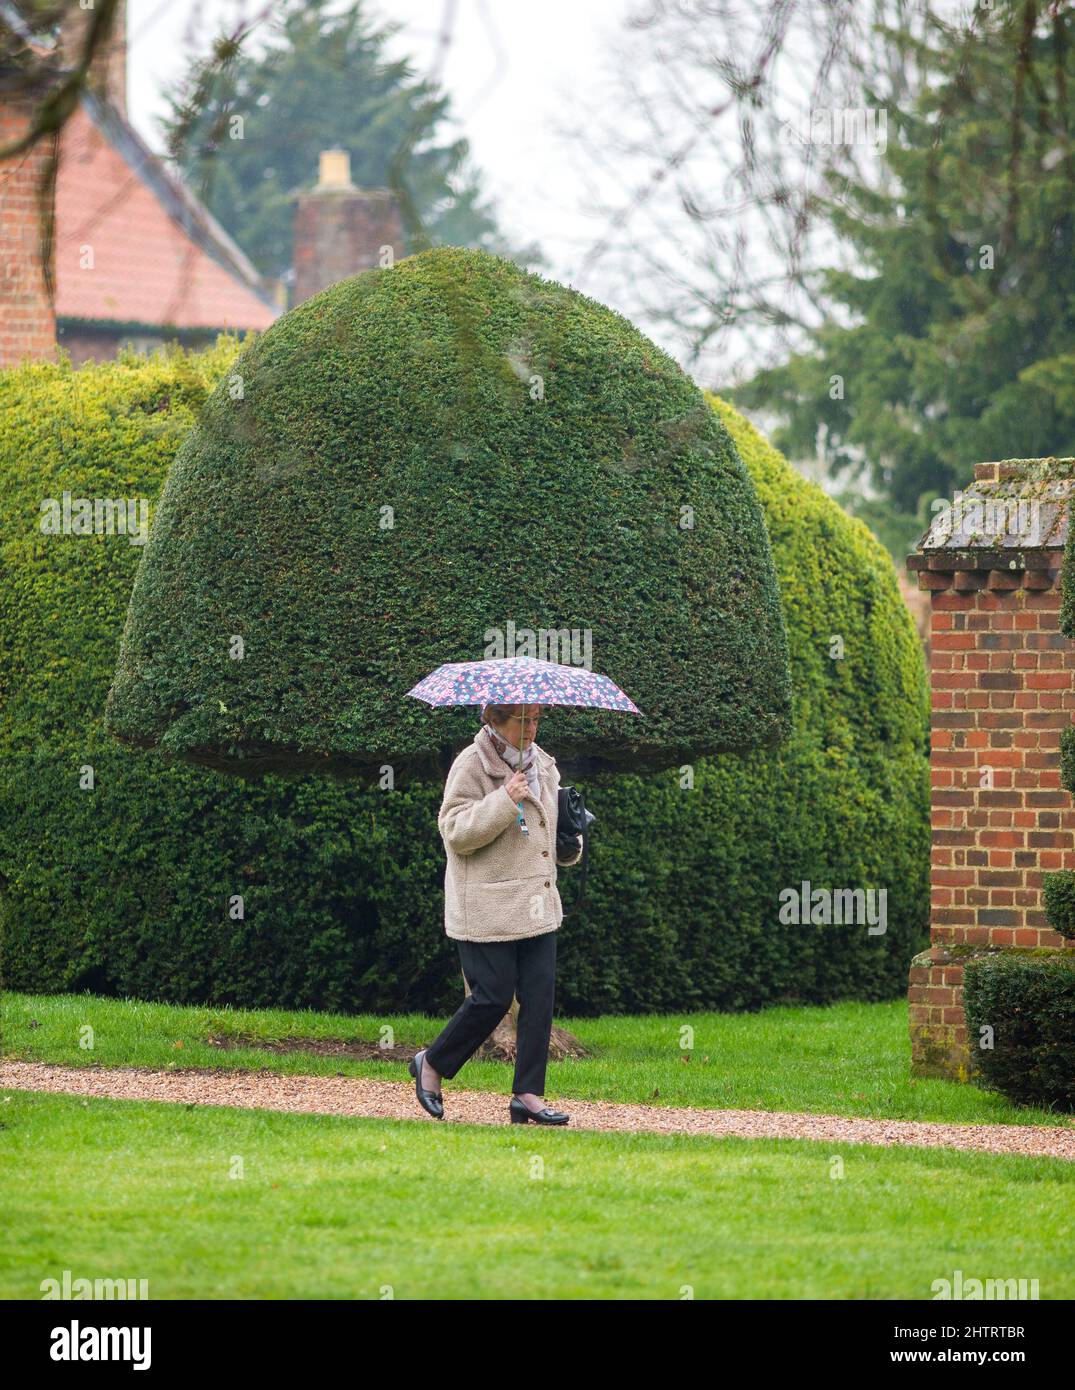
(1058, 892)
(1027, 1003)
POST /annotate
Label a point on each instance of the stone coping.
(1013, 516)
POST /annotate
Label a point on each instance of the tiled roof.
(159, 257)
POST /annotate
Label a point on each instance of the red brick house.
(136, 257)
(160, 266)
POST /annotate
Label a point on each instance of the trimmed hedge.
(125, 888)
(843, 804)
(1029, 1004)
(124, 885)
(553, 504)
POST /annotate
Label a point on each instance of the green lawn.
(328, 1207)
(846, 1059)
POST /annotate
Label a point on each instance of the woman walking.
(501, 905)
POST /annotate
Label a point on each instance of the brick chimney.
(108, 71)
(1001, 682)
(27, 320)
(340, 230)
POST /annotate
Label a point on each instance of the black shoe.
(521, 1113)
(432, 1101)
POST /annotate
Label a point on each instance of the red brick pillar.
(27, 320)
(1001, 681)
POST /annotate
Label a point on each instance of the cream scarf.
(514, 758)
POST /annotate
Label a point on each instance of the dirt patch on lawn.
(322, 1047)
(500, 1046)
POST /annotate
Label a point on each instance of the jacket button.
(541, 822)
(546, 883)
(545, 852)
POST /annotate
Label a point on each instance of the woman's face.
(510, 730)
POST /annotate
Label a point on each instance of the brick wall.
(27, 322)
(1001, 682)
(101, 345)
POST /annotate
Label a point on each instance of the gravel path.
(392, 1100)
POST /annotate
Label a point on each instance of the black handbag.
(572, 820)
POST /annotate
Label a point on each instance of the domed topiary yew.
(405, 466)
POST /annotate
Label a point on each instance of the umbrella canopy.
(513, 680)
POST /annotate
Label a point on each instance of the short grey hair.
(500, 714)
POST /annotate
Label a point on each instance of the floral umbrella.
(515, 680)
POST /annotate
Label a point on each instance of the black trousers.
(495, 971)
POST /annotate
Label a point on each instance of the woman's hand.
(515, 786)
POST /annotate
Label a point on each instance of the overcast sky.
(517, 74)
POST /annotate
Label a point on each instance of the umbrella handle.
(522, 821)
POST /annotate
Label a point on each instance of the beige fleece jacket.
(500, 885)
